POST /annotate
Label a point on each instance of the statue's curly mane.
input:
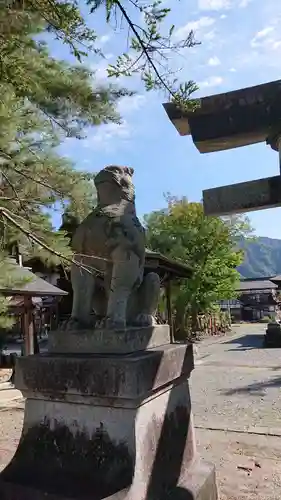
(119, 176)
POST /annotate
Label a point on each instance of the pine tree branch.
(53, 120)
(61, 33)
(29, 177)
(144, 48)
(8, 215)
(15, 193)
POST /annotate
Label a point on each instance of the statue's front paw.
(110, 324)
(115, 324)
(100, 324)
(145, 320)
(75, 324)
(70, 324)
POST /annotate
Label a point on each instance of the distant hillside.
(262, 258)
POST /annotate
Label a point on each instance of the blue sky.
(240, 46)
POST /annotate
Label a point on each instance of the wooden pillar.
(56, 322)
(169, 309)
(28, 326)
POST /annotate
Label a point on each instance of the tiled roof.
(177, 268)
(261, 284)
(35, 287)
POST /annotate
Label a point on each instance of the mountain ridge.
(262, 257)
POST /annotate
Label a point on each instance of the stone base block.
(199, 483)
(115, 427)
(272, 337)
(108, 341)
(103, 380)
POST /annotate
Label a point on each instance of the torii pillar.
(231, 120)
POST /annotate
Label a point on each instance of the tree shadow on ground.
(169, 458)
(246, 342)
(257, 389)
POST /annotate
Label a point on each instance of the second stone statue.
(109, 287)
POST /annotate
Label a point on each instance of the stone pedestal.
(108, 425)
(272, 336)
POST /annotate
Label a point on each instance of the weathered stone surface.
(199, 484)
(272, 337)
(92, 452)
(109, 249)
(56, 458)
(115, 427)
(243, 197)
(116, 380)
(108, 341)
(231, 119)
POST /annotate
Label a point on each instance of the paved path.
(236, 384)
(236, 402)
(9, 395)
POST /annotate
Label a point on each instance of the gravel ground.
(248, 466)
(236, 384)
(236, 403)
(4, 374)
(236, 398)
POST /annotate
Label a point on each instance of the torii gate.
(230, 120)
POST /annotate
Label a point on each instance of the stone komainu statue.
(111, 243)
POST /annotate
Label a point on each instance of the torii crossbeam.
(230, 120)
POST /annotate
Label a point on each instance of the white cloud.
(198, 25)
(102, 40)
(208, 37)
(244, 3)
(214, 61)
(218, 5)
(267, 39)
(214, 4)
(264, 32)
(129, 104)
(100, 68)
(232, 70)
(213, 81)
(107, 137)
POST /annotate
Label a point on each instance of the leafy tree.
(34, 181)
(208, 245)
(8, 279)
(149, 48)
(42, 100)
(50, 99)
(63, 93)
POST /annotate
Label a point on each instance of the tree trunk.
(194, 321)
(180, 331)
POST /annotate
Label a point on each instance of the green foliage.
(207, 244)
(151, 43)
(149, 48)
(63, 93)
(42, 100)
(34, 179)
(7, 280)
